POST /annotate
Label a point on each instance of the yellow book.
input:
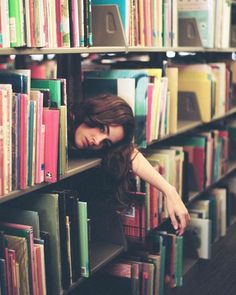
(203, 90)
(172, 74)
(156, 74)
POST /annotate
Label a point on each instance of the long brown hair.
(107, 110)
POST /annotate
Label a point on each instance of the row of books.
(160, 99)
(145, 23)
(191, 165)
(34, 130)
(209, 221)
(48, 237)
(168, 23)
(149, 272)
(44, 23)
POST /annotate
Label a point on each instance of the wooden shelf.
(106, 49)
(194, 195)
(75, 166)
(101, 254)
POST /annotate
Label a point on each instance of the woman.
(106, 124)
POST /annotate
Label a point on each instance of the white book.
(200, 230)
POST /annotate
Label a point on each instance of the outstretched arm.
(178, 213)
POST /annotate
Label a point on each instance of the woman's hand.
(178, 212)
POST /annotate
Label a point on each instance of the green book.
(47, 206)
(16, 19)
(54, 85)
(83, 237)
(179, 261)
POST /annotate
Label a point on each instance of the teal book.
(140, 104)
(203, 12)
(179, 261)
(123, 7)
(18, 215)
(84, 239)
(54, 85)
(31, 142)
(19, 81)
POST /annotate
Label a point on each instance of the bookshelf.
(104, 252)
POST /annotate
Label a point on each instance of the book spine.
(51, 121)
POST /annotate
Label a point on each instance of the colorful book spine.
(51, 121)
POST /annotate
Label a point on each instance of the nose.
(99, 138)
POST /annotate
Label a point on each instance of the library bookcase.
(111, 243)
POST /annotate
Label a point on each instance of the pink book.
(51, 121)
(59, 23)
(25, 231)
(24, 109)
(148, 23)
(75, 23)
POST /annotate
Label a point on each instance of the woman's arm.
(178, 213)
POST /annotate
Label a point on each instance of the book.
(203, 12)
(51, 122)
(17, 215)
(72, 211)
(3, 277)
(84, 239)
(123, 7)
(47, 206)
(54, 85)
(26, 232)
(17, 22)
(200, 230)
(19, 245)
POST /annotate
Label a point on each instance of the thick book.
(47, 205)
(200, 230)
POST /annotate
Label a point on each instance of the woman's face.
(96, 138)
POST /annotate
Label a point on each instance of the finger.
(182, 223)
(174, 221)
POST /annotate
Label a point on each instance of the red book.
(199, 164)
(59, 23)
(12, 266)
(51, 122)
